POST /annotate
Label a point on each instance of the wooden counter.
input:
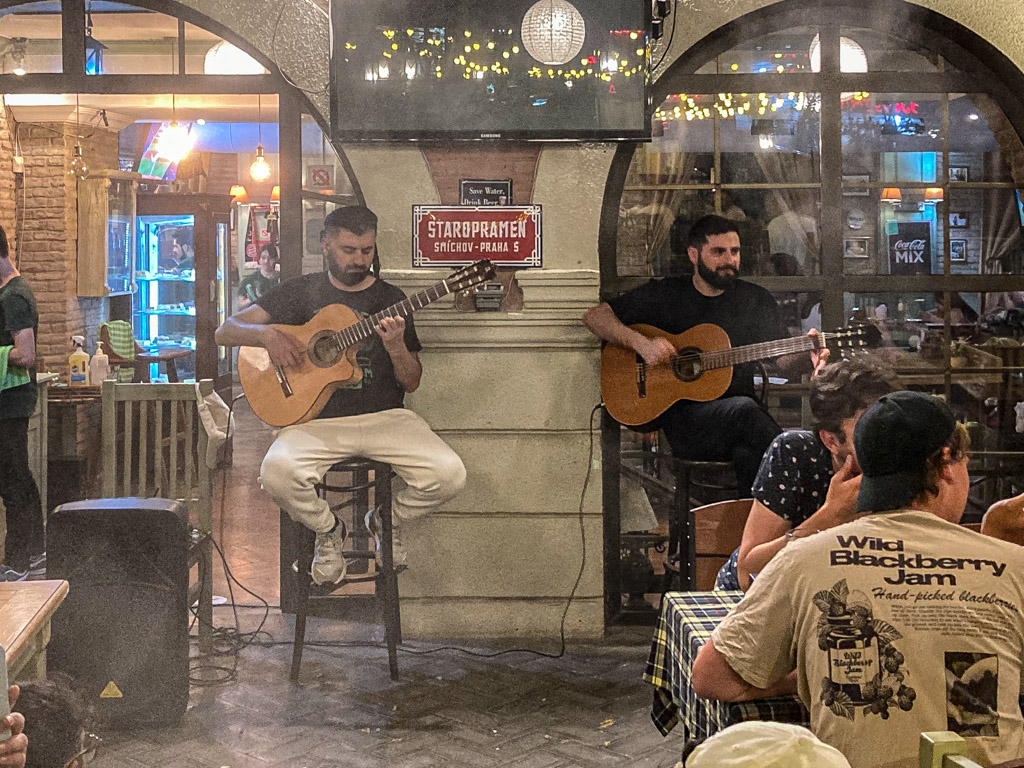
(25, 611)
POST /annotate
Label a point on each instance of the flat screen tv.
(438, 70)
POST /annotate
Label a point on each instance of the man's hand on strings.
(284, 350)
(392, 332)
(819, 355)
(656, 350)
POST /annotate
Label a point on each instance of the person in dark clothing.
(19, 322)
(258, 284)
(734, 427)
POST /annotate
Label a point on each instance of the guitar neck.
(366, 327)
(748, 353)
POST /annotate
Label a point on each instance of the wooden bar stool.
(715, 476)
(385, 576)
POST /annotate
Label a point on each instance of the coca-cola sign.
(910, 248)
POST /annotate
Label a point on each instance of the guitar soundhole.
(686, 365)
(323, 350)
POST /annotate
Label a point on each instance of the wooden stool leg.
(172, 371)
(387, 579)
(302, 584)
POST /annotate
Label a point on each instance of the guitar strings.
(717, 357)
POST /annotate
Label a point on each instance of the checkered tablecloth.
(687, 621)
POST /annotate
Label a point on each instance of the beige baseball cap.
(765, 745)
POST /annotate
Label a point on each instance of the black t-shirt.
(747, 312)
(296, 301)
(18, 312)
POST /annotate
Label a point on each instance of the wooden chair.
(719, 530)
(154, 445)
(945, 749)
(117, 339)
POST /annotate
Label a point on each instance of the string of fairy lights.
(689, 107)
(435, 52)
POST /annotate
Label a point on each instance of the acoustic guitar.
(635, 393)
(284, 395)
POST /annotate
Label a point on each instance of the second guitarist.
(367, 418)
(734, 427)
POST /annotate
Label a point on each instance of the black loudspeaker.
(122, 632)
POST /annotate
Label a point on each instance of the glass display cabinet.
(106, 215)
(181, 278)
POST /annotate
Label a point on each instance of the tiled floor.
(517, 710)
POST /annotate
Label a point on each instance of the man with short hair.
(899, 622)
(182, 250)
(808, 480)
(366, 419)
(258, 284)
(733, 427)
(19, 321)
(56, 724)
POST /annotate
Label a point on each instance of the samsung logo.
(490, 135)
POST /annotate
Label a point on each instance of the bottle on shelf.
(78, 364)
(99, 366)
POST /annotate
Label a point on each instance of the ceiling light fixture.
(174, 140)
(553, 31)
(77, 166)
(260, 169)
(851, 55)
(93, 48)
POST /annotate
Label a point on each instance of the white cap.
(759, 744)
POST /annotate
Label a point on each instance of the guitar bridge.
(641, 377)
(282, 379)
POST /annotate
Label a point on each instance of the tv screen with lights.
(490, 69)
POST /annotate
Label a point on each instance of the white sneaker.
(329, 566)
(373, 525)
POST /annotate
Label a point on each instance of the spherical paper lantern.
(553, 31)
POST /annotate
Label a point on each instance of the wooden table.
(25, 611)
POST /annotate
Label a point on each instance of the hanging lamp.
(174, 140)
(77, 167)
(260, 168)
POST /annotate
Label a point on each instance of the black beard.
(349, 275)
(718, 280)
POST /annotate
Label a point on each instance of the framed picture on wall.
(958, 250)
(959, 173)
(856, 191)
(856, 247)
(959, 220)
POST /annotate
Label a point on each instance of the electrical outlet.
(19, 164)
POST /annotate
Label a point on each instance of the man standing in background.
(19, 321)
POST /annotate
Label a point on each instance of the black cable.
(671, 35)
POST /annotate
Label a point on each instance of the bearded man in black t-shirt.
(735, 427)
(367, 419)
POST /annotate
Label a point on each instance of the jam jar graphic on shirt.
(865, 669)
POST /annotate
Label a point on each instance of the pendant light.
(260, 169)
(77, 167)
(174, 140)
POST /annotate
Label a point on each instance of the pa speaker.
(122, 631)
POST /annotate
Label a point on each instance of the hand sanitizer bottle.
(78, 364)
(99, 366)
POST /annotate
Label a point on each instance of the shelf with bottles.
(186, 276)
(177, 310)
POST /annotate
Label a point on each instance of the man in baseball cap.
(898, 622)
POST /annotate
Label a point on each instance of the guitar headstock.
(471, 275)
(855, 337)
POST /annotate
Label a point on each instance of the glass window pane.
(892, 137)
(890, 54)
(985, 231)
(34, 32)
(982, 143)
(800, 311)
(898, 235)
(132, 41)
(769, 137)
(205, 53)
(325, 186)
(785, 52)
(653, 225)
(683, 146)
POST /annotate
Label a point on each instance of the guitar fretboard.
(366, 327)
(746, 354)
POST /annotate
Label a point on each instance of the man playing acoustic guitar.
(367, 419)
(733, 427)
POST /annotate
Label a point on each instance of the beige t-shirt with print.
(897, 623)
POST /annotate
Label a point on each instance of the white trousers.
(430, 472)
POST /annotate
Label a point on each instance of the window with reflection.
(30, 39)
